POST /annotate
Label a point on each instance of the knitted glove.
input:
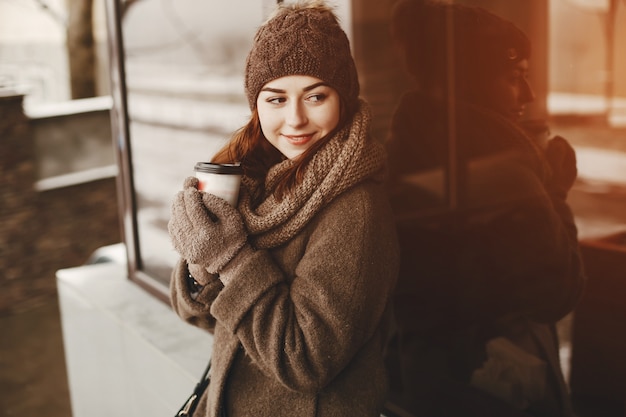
(205, 229)
(200, 275)
(562, 159)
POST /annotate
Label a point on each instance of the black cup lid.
(211, 168)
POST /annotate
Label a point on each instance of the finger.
(219, 208)
(214, 215)
(191, 182)
(568, 149)
(175, 225)
(195, 209)
(177, 204)
(555, 151)
(561, 151)
(179, 212)
(216, 205)
(226, 213)
(560, 144)
(199, 273)
(178, 226)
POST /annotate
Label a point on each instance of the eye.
(316, 98)
(275, 100)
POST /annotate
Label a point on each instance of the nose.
(296, 114)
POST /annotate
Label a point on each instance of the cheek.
(501, 95)
(330, 117)
(268, 121)
(331, 122)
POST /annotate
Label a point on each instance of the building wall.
(578, 57)
(49, 227)
(71, 136)
(33, 50)
(18, 208)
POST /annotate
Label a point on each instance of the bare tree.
(80, 42)
(81, 49)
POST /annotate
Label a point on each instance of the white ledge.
(75, 178)
(68, 108)
(127, 353)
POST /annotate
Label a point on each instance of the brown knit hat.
(484, 44)
(302, 38)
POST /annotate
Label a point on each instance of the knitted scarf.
(511, 132)
(348, 158)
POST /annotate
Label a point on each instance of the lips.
(298, 139)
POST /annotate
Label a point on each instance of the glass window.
(178, 89)
(177, 83)
(180, 84)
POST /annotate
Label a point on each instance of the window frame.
(127, 202)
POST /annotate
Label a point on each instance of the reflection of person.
(481, 287)
(295, 282)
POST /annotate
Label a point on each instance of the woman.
(295, 282)
(481, 286)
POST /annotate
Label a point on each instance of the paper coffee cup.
(222, 180)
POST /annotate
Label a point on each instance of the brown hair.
(302, 38)
(257, 155)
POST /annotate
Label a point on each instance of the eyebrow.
(307, 88)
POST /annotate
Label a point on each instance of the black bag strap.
(190, 405)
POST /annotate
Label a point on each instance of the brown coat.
(300, 329)
(504, 264)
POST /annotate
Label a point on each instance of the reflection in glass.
(501, 249)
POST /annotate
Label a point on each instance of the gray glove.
(200, 275)
(204, 228)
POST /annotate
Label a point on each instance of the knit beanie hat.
(484, 44)
(483, 36)
(302, 38)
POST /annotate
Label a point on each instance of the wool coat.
(300, 327)
(486, 283)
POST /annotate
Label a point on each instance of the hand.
(562, 159)
(200, 274)
(204, 228)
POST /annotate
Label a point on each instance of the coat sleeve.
(306, 328)
(194, 310)
(568, 279)
(525, 260)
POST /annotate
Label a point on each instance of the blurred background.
(105, 106)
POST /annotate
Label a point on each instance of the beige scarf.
(348, 158)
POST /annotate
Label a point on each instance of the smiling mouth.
(298, 139)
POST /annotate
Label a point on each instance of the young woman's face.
(296, 111)
(511, 92)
